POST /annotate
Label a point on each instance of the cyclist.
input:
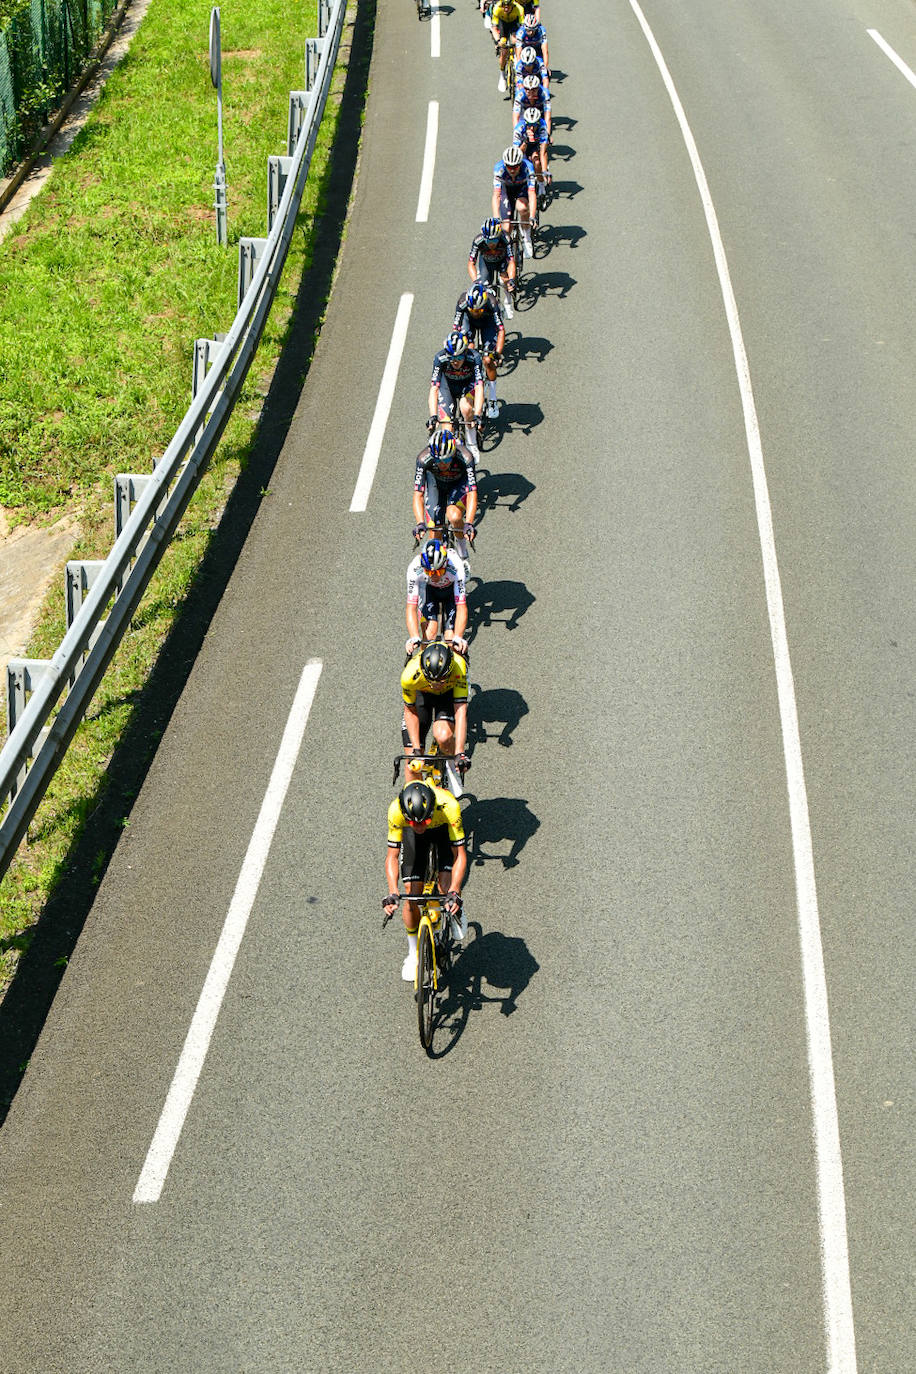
(477, 314)
(530, 63)
(436, 597)
(514, 189)
(506, 18)
(532, 34)
(531, 94)
(456, 388)
(532, 137)
(424, 818)
(490, 260)
(445, 490)
(434, 689)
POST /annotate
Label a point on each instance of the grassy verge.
(105, 284)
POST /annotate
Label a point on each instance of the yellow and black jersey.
(507, 15)
(447, 812)
(413, 680)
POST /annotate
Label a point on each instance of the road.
(612, 1162)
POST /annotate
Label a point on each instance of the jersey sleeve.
(419, 477)
(452, 812)
(437, 370)
(456, 567)
(467, 458)
(460, 680)
(395, 824)
(414, 577)
(411, 678)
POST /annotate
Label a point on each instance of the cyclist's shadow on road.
(489, 601)
(491, 969)
(496, 821)
(502, 706)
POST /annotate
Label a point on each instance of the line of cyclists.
(425, 817)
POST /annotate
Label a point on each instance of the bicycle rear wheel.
(426, 990)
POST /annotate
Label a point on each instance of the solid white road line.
(429, 162)
(838, 1321)
(897, 60)
(159, 1157)
(382, 406)
(434, 25)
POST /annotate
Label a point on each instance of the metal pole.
(219, 178)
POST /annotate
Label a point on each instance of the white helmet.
(532, 116)
(512, 157)
(531, 83)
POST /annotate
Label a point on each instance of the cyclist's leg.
(444, 722)
(433, 503)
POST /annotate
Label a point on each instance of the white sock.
(491, 390)
(472, 435)
(461, 546)
(412, 946)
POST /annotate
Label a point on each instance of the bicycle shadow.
(495, 821)
(550, 283)
(568, 189)
(554, 234)
(495, 705)
(487, 601)
(485, 967)
(508, 489)
(521, 415)
(561, 152)
(528, 346)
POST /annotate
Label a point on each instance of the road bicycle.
(435, 951)
(424, 9)
(437, 768)
(509, 71)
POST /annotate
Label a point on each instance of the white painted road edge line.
(159, 1157)
(838, 1322)
(897, 60)
(429, 162)
(434, 26)
(382, 406)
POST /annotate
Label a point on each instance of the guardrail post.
(314, 47)
(278, 170)
(250, 253)
(206, 353)
(129, 487)
(22, 677)
(79, 577)
(298, 100)
(324, 16)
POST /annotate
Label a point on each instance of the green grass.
(104, 286)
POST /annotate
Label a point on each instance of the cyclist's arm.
(461, 619)
(412, 722)
(391, 867)
(478, 399)
(461, 726)
(471, 507)
(433, 400)
(459, 867)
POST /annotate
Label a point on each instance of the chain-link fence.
(43, 47)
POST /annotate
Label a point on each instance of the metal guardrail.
(102, 597)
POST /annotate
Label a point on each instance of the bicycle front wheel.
(426, 989)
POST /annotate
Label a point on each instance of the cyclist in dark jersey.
(456, 388)
(477, 314)
(445, 489)
(490, 260)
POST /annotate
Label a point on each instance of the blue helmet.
(490, 229)
(477, 296)
(456, 344)
(434, 555)
(442, 444)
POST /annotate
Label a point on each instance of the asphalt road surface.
(613, 1161)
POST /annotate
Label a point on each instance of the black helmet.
(435, 661)
(417, 801)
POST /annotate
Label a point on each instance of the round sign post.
(216, 76)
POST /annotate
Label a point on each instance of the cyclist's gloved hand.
(463, 763)
(389, 903)
(452, 903)
(412, 645)
(459, 645)
(431, 424)
(470, 531)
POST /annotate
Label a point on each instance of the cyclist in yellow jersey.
(421, 819)
(506, 18)
(434, 688)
